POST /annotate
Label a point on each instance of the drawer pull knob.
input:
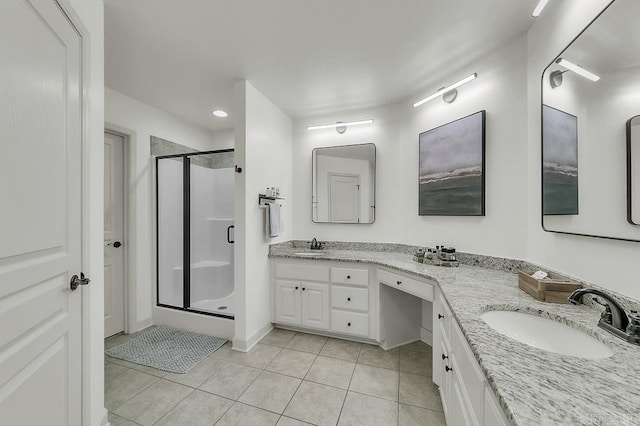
(444, 357)
(303, 289)
(348, 324)
(447, 368)
(440, 316)
(348, 299)
(398, 282)
(297, 287)
(348, 277)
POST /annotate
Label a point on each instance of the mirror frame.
(629, 188)
(542, 215)
(375, 181)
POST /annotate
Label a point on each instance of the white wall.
(610, 264)
(88, 15)
(140, 121)
(500, 89)
(222, 139)
(263, 143)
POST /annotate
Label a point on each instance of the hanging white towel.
(274, 219)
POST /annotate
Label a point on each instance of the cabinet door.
(287, 300)
(315, 305)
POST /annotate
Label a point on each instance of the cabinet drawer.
(350, 323)
(350, 298)
(421, 289)
(469, 370)
(350, 276)
(307, 272)
(442, 315)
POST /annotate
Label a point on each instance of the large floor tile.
(199, 373)
(331, 371)
(342, 349)
(378, 357)
(418, 346)
(124, 387)
(363, 410)
(419, 391)
(270, 391)
(307, 343)
(151, 404)
(138, 367)
(416, 362)
(278, 337)
(246, 415)
(316, 404)
(288, 421)
(292, 363)
(199, 408)
(115, 420)
(113, 370)
(258, 357)
(374, 381)
(415, 416)
(231, 380)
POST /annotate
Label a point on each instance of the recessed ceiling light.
(220, 113)
(538, 10)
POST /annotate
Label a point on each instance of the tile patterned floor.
(287, 379)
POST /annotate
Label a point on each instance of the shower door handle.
(229, 234)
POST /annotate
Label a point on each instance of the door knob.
(115, 244)
(75, 281)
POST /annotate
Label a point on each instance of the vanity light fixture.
(448, 93)
(220, 113)
(340, 126)
(538, 10)
(555, 78)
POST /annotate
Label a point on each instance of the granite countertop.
(534, 387)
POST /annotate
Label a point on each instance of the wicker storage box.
(555, 289)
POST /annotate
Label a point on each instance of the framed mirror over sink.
(590, 92)
(343, 184)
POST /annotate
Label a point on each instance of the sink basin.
(546, 334)
(310, 253)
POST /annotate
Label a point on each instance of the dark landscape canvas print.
(559, 162)
(451, 175)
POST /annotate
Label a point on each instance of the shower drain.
(222, 308)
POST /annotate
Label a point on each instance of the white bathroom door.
(41, 217)
(344, 198)
(114, 288)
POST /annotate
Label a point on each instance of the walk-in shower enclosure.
(194, 207)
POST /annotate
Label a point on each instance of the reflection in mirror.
(633, 170)
(343, 187)
(588, 94)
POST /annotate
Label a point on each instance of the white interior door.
(40, 225)
(113, 234)
(344, 198)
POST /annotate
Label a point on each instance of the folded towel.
(274, 219)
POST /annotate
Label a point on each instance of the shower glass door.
(211, 233)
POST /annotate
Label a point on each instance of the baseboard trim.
(426, 336)
(246, 345)
(105, 418)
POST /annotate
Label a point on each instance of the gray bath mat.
(167, 348)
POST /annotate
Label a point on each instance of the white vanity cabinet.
(466, 396)
(333, 297)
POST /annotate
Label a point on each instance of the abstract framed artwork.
(559, 162)
(451, 171)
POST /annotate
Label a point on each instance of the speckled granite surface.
(534, 387)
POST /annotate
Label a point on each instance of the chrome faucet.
(614, 319)
(315, 245)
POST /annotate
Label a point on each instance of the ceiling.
(307, 57)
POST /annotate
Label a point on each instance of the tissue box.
(554, 289)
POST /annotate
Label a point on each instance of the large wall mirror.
(344, 184)
(589, 94)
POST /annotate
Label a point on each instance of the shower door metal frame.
(186, 233)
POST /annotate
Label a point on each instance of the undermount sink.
(546, 334)
(310, 253)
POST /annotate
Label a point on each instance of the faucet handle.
(606, 315)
